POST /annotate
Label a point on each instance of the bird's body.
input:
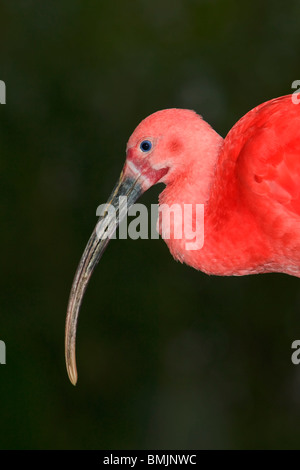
(251, 195)
(248, 183)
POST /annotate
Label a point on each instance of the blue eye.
(145, 146)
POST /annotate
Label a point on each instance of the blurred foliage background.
(168, 357)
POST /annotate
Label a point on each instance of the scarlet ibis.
(249, 184)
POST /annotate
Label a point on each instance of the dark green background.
(168, 357)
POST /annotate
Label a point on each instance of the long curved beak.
(113, 214)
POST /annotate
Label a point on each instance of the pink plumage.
(249, 184)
